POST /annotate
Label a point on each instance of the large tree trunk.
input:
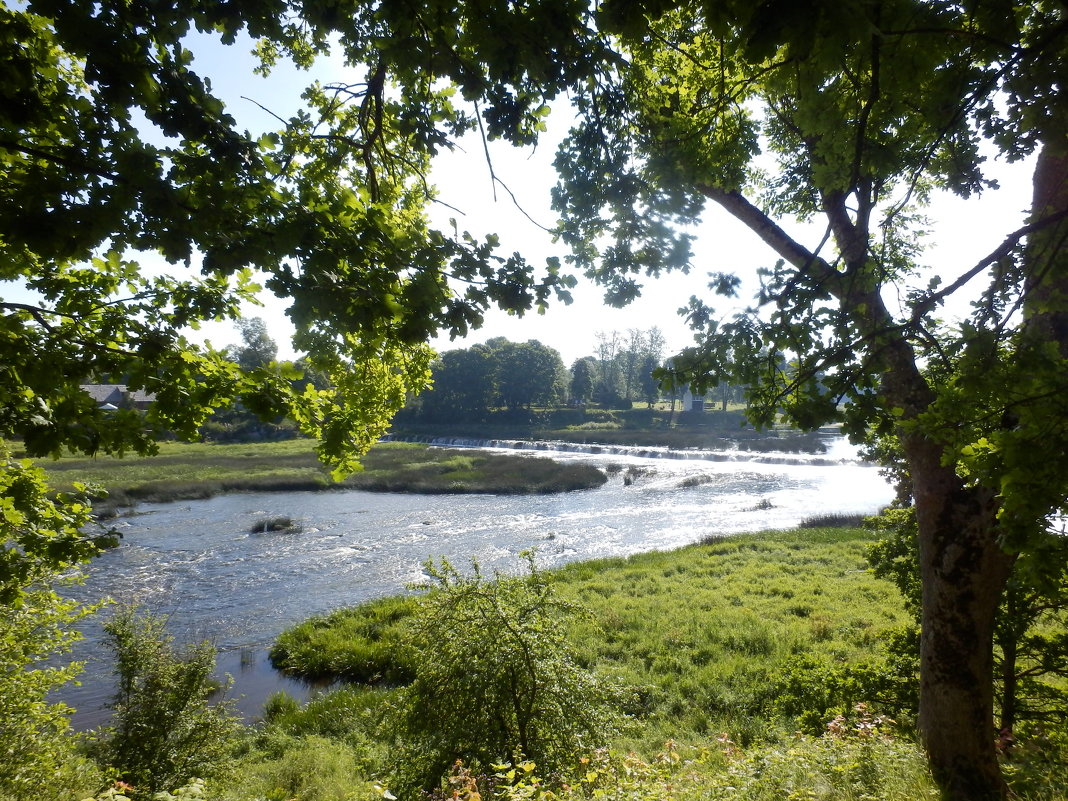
(962, 565)
(1046, 286)
(963, 571)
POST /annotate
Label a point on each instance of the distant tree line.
(468, 382)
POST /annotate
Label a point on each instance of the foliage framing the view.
(867, 107)
(849, 116)
(39, 535)
(110, 136)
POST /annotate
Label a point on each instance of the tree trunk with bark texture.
(963, 571)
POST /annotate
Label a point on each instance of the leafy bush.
(41, 535)
(495, 677)
(351, 714)
(164, 731)
(308, 768)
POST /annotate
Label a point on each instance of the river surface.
(199, 562)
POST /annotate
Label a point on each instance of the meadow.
(754, 667)
(183, 471)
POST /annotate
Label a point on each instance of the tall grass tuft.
(832, 520)
(364, 644)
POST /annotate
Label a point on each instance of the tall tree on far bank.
(257, 348)
(867, 108)
(468, 382)
(583, 379)
(648, 383)
(528, 373)
(465, 385)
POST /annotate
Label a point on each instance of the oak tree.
(861, 111)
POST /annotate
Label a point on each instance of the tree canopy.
(116, 156)
(843, 112)
(850, 115)
(469, 381)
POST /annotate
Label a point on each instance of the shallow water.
(198, 562)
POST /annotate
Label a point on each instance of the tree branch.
(1000, 252)
(775, 237)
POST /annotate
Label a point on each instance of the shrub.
(164, 731)
(42, 536)
(495, 677)
(309, 768)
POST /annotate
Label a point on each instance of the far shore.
(184, 471)
(190, 471)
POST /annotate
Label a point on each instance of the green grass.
(723, 642)
(712, 638)
(359, 644)
(705, 633)
(186, 471)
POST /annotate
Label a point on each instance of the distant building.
(691, 402)
(117, 396)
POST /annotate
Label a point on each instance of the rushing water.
(199, 562)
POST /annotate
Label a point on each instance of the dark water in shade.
(198, 562)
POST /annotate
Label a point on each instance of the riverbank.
(641, 427)
(713, 634)
(758, 659)
(189, 471)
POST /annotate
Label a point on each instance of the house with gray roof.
(117, 396)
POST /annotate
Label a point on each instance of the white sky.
(964, 231)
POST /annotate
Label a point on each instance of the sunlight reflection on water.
(198, 561)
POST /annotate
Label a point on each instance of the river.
(200, 563)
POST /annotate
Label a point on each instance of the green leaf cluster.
(166, 729)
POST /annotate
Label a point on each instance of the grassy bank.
(708, 633)
(185, 471)
(745, 663)
(747, 656)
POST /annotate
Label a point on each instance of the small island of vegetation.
(183, 471)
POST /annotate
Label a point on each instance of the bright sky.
(964, 231)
